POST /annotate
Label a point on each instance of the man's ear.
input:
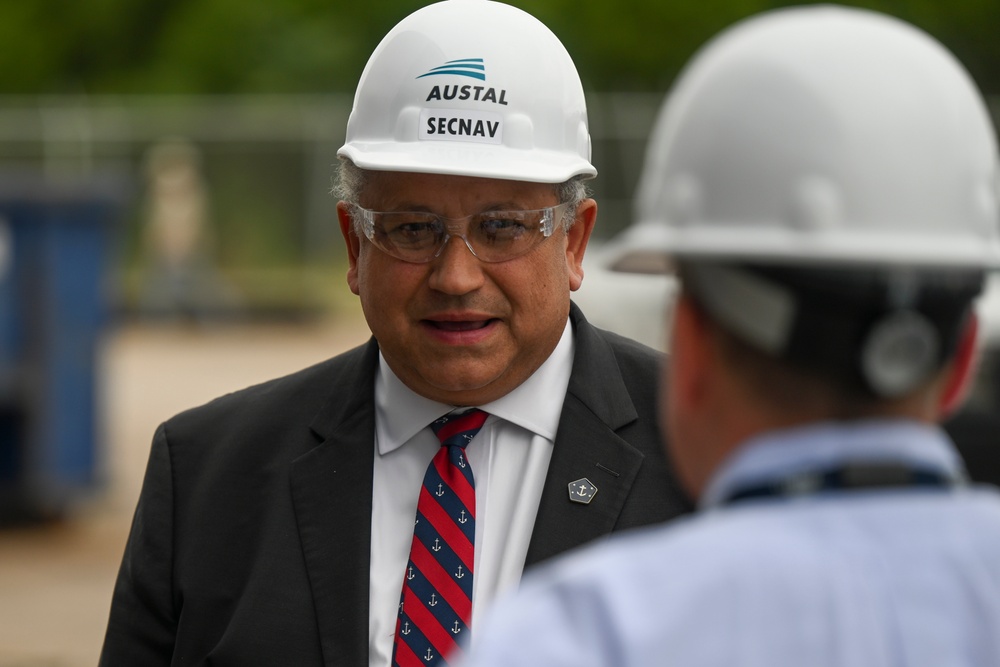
(961, 370)
(577, 238)
(352, 241)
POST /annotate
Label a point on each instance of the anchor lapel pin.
(582, 491)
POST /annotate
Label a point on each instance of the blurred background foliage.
(308, 46)
(262, 90)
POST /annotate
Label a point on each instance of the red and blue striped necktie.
(436, 605)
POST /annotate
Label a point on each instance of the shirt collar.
(535, 405)
(784, 453)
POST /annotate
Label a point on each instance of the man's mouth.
(465, 325)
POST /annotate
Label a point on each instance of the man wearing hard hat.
(365, 510)
(825, 180)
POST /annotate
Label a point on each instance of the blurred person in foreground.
(826, 181)
(357, 512)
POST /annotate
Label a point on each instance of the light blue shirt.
(866, 577)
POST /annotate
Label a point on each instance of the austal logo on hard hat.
(469, 67)
(467, 125)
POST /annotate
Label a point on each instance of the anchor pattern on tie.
(436, 602)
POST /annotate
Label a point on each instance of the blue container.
(54, 250)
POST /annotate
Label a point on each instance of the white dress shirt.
(878, 577)
(509, 458)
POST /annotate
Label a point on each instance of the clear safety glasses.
(492, 236)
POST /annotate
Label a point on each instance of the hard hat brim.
(463, 160)
(653, 247)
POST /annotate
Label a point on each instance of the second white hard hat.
(818, 136)
(473, 88)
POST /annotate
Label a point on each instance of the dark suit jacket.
(250, 543)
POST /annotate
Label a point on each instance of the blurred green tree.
(281, 46)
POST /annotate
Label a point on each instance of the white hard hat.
(820, 136)
(473, 88)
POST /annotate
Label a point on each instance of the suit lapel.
(587, 447)
(332, 494)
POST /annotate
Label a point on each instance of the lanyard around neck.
(849, 477)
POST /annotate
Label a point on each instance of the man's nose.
(456, 269)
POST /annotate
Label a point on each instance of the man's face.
(456, 329)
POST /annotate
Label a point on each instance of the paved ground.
(56, 580)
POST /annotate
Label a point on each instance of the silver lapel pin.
(582, 491)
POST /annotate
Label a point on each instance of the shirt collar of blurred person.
(781, 455)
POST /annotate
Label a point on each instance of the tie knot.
(459, 428)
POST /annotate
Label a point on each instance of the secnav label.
(461, 125)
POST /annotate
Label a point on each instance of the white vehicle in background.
(631, 304)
